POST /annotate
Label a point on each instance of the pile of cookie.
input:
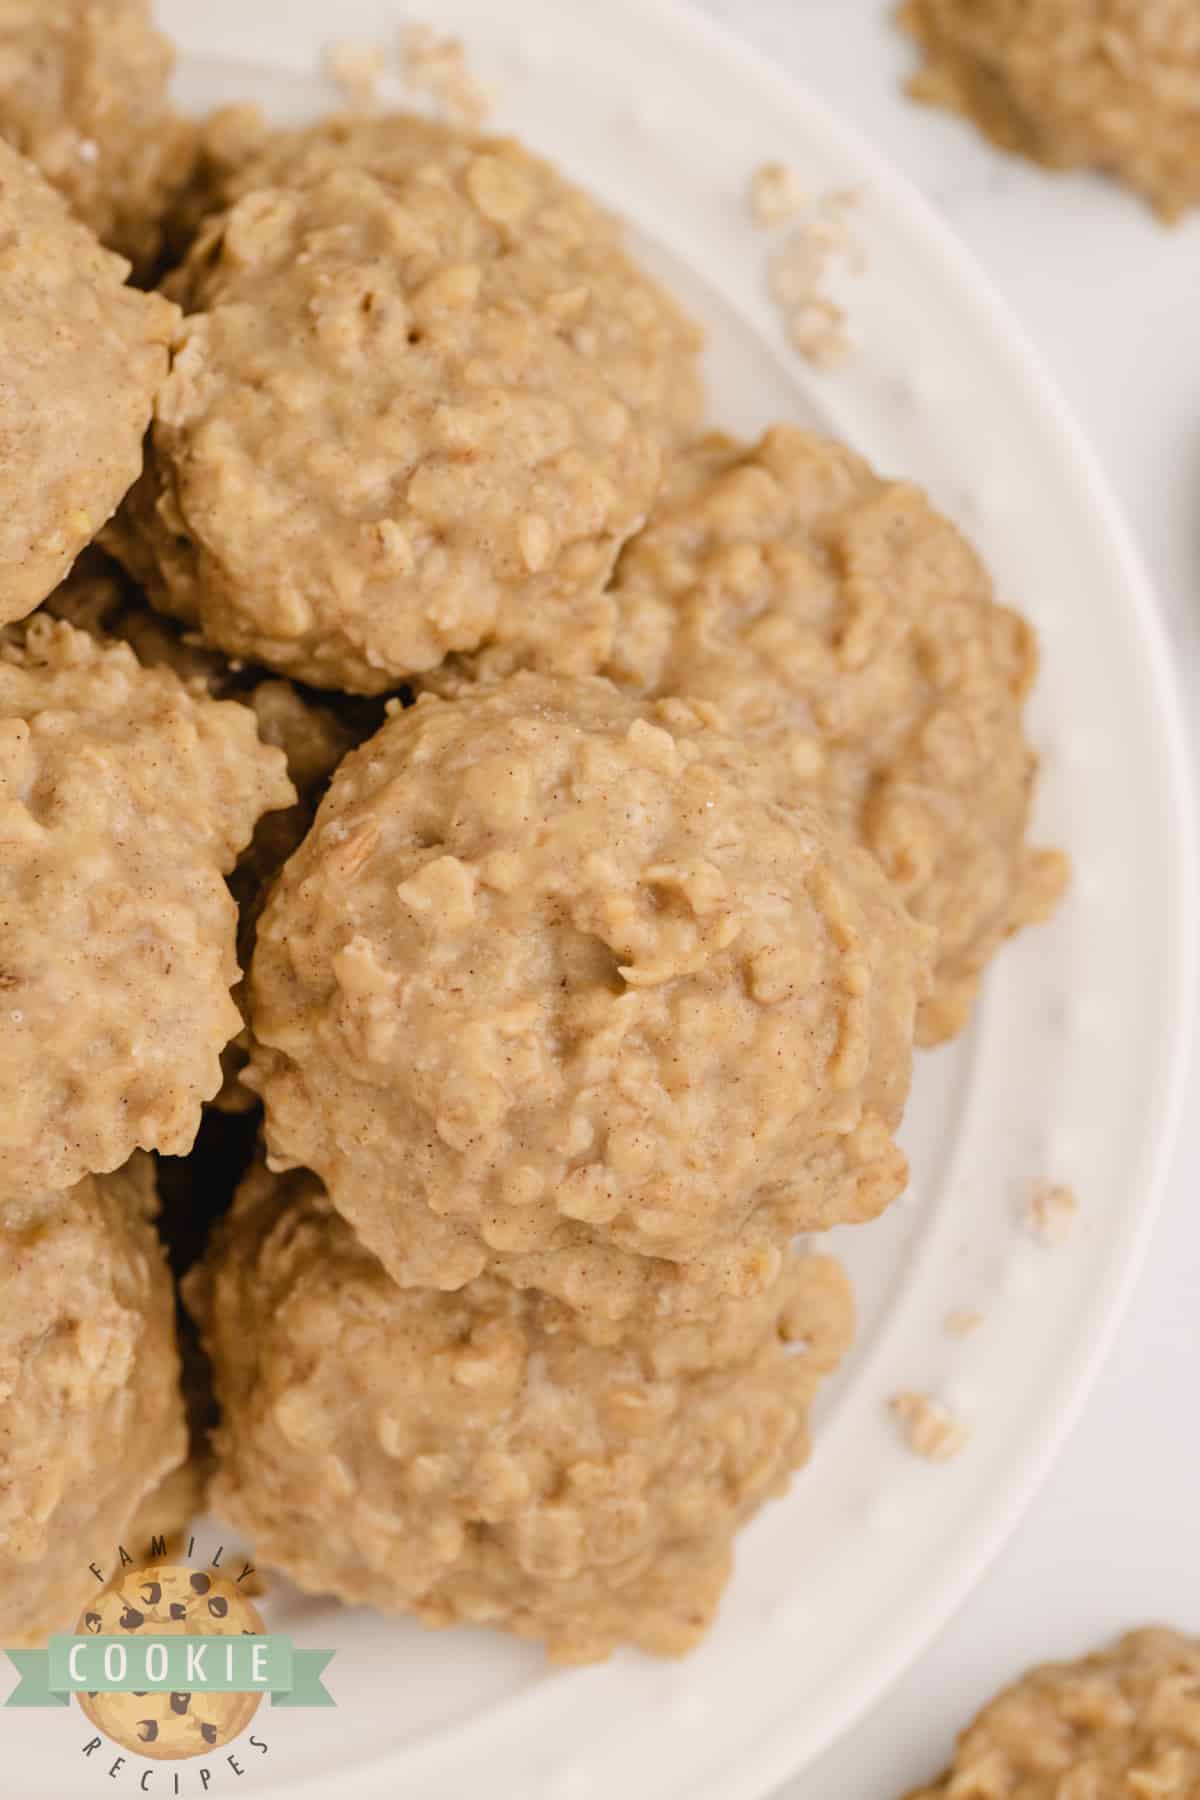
(534, 830)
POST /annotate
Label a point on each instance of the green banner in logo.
(33, 1688)
(146, 1665)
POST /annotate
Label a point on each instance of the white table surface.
(1113, 302)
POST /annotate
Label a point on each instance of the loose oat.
(125, 800)
(1123, 1724)
(83, 94)
(799, 274)
(1106, 84)
(480, 1456)
(437, 66)
(1052, 1213)
(965, 1322)
(930, 1429)
(776, 193)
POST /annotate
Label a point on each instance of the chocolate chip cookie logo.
(162, 1603)
(170, 1662)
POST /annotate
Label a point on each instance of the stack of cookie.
(675, 789)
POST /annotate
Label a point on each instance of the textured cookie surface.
(124, 801)
(1123, 1724)
(84, 356)
(622, 1025)
(848, 633)
(477, 1456)
(91, 1414)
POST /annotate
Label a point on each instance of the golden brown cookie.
(314, 732)
(623, 1025)
(480, 1456)
(83, 94)
(847, 632)
(125, 800)
(91, 1415)
(1123, 1724)
(1092, 84)
(415, 409)
(84, 356)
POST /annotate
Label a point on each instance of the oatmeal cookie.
(1112, 85)
(848, 633)
(84, 356)
(1120, 1724)
(83, 94)
(313, 732)
(91, 1415)
(415, 409)
(124, 801)
(622, 1025)
(478, 1457)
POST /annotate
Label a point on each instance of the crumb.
(799, 275)
(1051, 1214)
(965, 1321)
(357, 69)
(818, 331)
(776, 193)
(930, 1429)
(437, 66)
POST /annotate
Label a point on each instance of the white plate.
(1072, 1071)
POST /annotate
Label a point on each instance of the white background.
(1113, 302)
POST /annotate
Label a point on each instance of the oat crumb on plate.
(357, 69)
(437, 66)
(930, 1429)
(776, 193)
(965, 1321)
(1051, 1214)
(800, 273)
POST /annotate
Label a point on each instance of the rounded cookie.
(99, 598)
(1124, 1722)
(124, 801)
(91, 1414)
(623, 1025)
(475, 1456)
(1092, 84)
(84, 356)
(414, 410)
(83, 94)
(849, 634)
(242, 155)
(164, 1601)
